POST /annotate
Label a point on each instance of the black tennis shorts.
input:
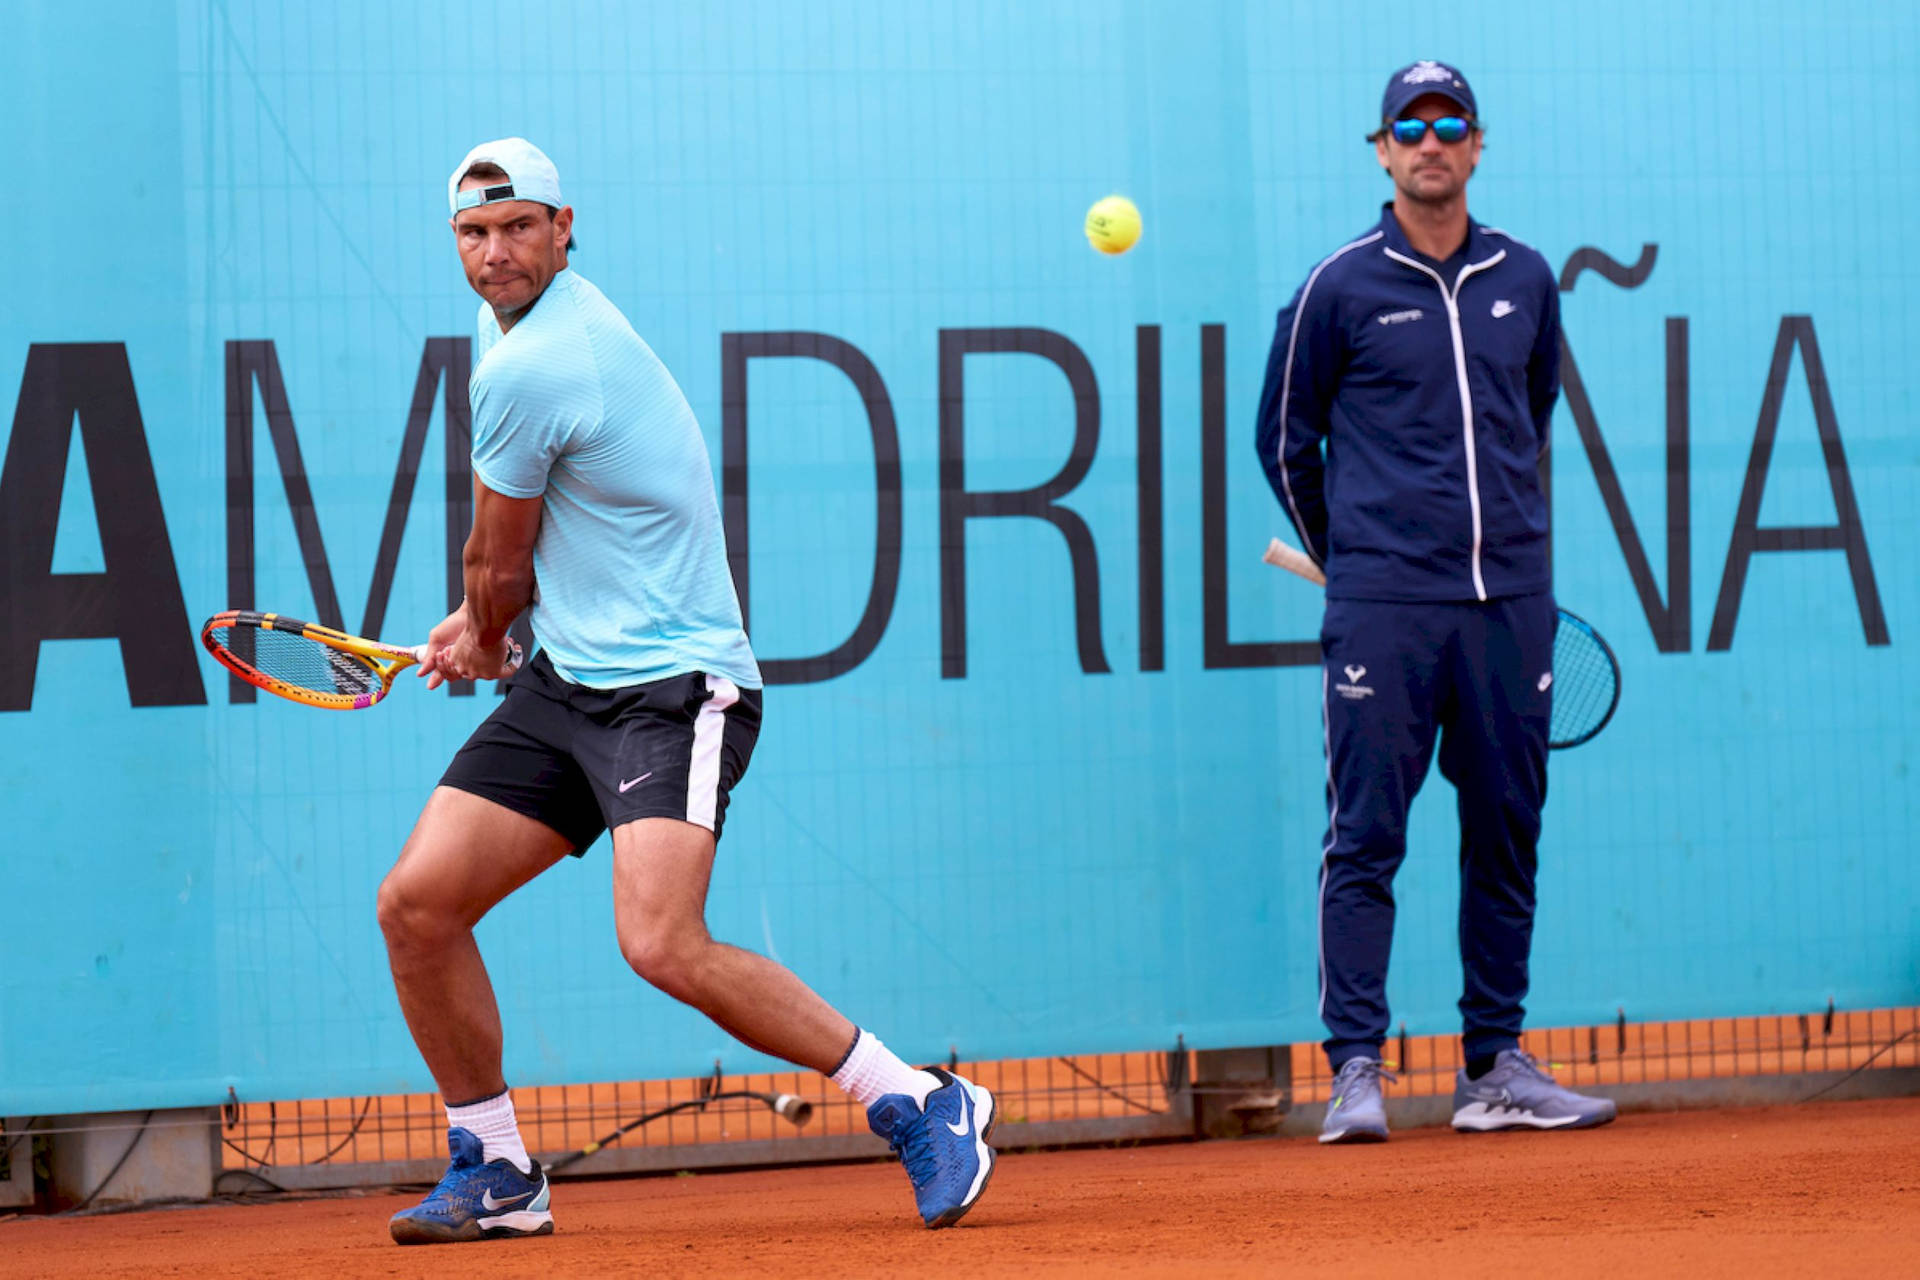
(584, 760)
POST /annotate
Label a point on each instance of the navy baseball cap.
(1423, 78)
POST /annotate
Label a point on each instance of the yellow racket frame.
(384, 660)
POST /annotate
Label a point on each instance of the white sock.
(491, 1120)
(871, 1072)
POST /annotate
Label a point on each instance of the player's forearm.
(498, 589)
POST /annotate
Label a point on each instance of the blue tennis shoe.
(943, 1145)
(478, 1199)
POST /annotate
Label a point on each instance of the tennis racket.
(1586, 682)
(308, 663)
(1586, 675)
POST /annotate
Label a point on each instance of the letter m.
(255, 363)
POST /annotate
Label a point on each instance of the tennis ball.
(1113, 225)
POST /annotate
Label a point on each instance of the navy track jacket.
(1432, 396)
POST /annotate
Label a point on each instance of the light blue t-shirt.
(630, 566)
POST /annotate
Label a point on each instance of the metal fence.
(1058, 1101)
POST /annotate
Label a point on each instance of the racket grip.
(419, 653)
(1285, 557)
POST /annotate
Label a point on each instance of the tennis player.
(638, 715)
(1407, 399)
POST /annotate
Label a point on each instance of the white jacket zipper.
(1466, 396)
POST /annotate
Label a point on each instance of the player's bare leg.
(465, 855)
(661, 870)
(937, 1122)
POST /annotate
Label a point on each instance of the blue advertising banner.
(1041, 769)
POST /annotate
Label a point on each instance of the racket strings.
(294, 659)
(1584, 684)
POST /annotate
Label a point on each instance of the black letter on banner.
(137, 599)
(1149, 486)
(735, 350)
(247, 361)
(1671, 620)
(957, 505)
(1603, 265)
(1845, 534)
(1217, 651)
(447, 358)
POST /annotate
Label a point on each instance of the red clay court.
(1824, 1188)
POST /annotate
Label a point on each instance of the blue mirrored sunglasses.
(1408, 133)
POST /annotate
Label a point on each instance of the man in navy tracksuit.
(1406, 403)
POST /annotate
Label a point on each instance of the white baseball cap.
(530, 176)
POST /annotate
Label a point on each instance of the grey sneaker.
(1355, 1113)
(1517, 1094)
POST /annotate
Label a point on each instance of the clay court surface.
(1823, 1189)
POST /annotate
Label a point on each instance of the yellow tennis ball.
(1113, 225)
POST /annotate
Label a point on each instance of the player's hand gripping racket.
(1586, 676)
(308, 663)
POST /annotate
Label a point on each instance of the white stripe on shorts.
(703, 770)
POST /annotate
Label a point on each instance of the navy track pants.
(1394, 675)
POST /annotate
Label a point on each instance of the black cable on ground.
(266, 1183)
(265, 1158)
(138, 1134)
(261, 1161)
(245, 1154)
(340, 1146)
(26, 1131)
(1863, 1066)
(690, 1104)
(137, 1206)
(1103, 1086)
